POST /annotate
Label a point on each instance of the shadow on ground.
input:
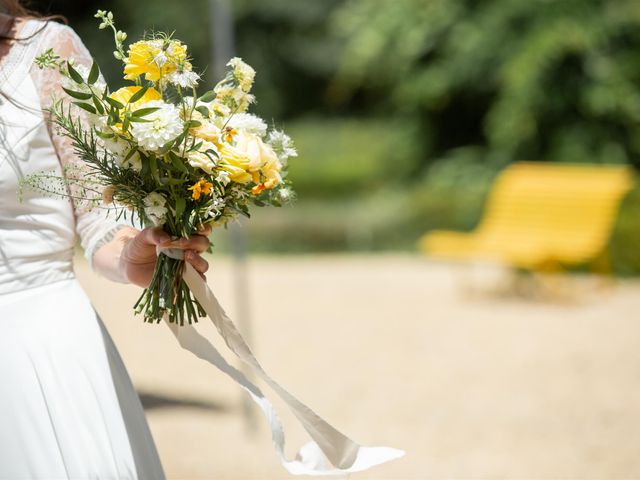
(154, 401)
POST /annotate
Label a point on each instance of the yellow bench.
(541, 216)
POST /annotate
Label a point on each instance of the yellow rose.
(155, 58)
(125, 93)
(236, 174)
(236, 163)
(257, 152)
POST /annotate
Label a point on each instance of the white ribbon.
(330, 453)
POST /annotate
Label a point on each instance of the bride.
(68, 408)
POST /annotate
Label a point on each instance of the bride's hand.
(138, 257)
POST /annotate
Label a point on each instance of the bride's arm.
(114, 249)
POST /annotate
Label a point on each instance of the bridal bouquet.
(176, 159)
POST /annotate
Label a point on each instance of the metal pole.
(222, 49)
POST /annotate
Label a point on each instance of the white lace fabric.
(38, 233)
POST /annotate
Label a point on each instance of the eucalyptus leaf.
(139, 94)
(114, 103)
(93, 74)
(141, 112)
(204, 111)
(78, 95)
(98, 105)
(73, 73)
(207, 97)
(85, 106)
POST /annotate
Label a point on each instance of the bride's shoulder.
(56, 35)
(51, 26)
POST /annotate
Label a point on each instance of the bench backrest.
(569, 209)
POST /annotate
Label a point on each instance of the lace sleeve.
(97, 226)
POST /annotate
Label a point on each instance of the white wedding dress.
(68, 408)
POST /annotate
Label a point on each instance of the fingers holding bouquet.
(193, 247)
(140, 253)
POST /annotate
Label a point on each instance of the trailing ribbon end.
(331, 453)
(311, 461)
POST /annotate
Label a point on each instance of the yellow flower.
(229, 133)
(257, 190)
(236, 174)
(257, 152)
(201, 187)
(236, 163)
(155, 58)
(125, 93)
(271, 172)
(249, 160)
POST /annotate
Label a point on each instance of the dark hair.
(15, 9)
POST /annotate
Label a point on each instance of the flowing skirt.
(68, 409)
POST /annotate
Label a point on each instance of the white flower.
(161, 126)
(285, 194)
(120, 149)
(154, 208)
(185, 79)
(205, 157)
(223, 177)
(160, 59)
(99, 122)
(282, 145)
(249, 123)
(242, 72)
(216, 207)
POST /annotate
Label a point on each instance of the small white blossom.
(120, 148)
(160, 59)
(155, 209)
(285, 194)
(162, 126)
(216, 207)
(185, 79)
(223, 177)
(282, 145)
(249, 123)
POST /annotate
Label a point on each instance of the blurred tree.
(288, 43)
(538, 79)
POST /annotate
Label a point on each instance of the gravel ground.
(392, 351)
